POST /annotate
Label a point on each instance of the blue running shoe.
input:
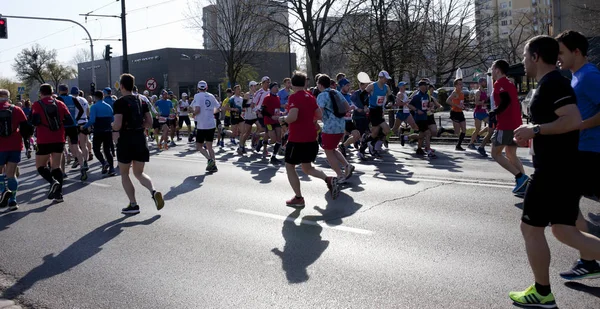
(521, 184)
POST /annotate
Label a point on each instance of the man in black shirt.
(132, 116)
(552, 196)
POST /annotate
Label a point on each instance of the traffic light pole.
(65, 20)
(125, 62)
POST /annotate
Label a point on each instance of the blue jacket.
(101, 117)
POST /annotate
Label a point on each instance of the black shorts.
(250, 121)
(83, 131)
(171, 122)
(72, 133)
(206, 135)
(261, 121)
(423, 125)
(227, 121)
(376, 116)
(350, 126)
(155, 124)
(236, 121)
(132, 146)
(186, 120)
(46, 149)
(297, 153)
(551, 198)
(218, 122)
(362, 125)
(431, 120)
(272, 127)
(590, 163)
(457, 117)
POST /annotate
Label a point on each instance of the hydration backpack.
(6, 128)
(339, 105)
(137, 115)
(52, 115)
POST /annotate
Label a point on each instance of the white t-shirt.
(86, 106)
(207, 104)
(404, 98)
(259, 98)
(183, 107)
(248, 113)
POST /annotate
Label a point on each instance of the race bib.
(162, 119)
(380, 101)
(171, 116)
(424, 105)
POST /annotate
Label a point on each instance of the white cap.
(264, 79)
(146, 92)
(184, 95)
(384, 74)
(252, 83)
(202, 85)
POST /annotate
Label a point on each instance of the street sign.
(116, 85)
(151, 84)
(21, 90)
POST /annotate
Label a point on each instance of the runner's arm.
(569, 119)
(92, 119)
(504, 102)
(80, 110)
(591, 122)
(292, 116)
(118, 122)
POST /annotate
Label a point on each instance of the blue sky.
(67, 38)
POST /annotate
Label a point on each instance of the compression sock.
(44, 171)
(461, 137)
(58, 175)
(276, 149)
(543, 290)
(13, 184)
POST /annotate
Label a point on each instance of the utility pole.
(125, 68)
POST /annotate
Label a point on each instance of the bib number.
(380, 101)
(162, 119)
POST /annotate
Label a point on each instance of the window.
(509, 3)
(510, 21)
(504, 23)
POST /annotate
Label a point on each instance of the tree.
(31, 64)
(84, 55)
(317, 22)
(56, 73)
(10, 85)
(234, 32)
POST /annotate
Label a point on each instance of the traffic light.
(107, 53)
(3, 29)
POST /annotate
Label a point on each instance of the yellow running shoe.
(531, 298)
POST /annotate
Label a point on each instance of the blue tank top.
(378, 96)
(68, 100)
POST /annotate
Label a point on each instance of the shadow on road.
(303, 246)
(9, 218)
(188, 185)
(343, 207)
(77, 253)
(592, 290)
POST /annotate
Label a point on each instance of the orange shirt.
(458, 101)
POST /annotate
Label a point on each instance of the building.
(578, 15)
(180, 69)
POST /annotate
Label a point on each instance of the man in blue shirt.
(165, 109)
(421, 104)
(108, 96)
(285, 92)
(101, 117)
(586, 78)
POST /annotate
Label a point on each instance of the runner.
(184, 117)
(360, 98)
(227, 122)
(351, 134)
(84, 140)
(420, 104)
(549, 198)
(257, 101)
(173, 127)
(165, 110)
(101, 118)
(508, 116)
(14, 128)
(586, 78)
(404, 114)
(248, 115)
(272, 111)
(205, 106)
(132, 115)
(378, 93)
(49, 116)
(302, 147)
(72, 130)
(236, 104)
(457, 101)
(285, 93)
(333, 128)
(89, 143)
(480, 114)
(28, 141)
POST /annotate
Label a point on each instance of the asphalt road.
(404, 233)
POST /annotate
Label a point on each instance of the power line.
(112, 2)
(150, 6)
(147, 28)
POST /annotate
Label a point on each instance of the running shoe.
(210, 164)
(75, 164)
(111, 172)
(361, 156)
(179, 139)
(349, 171)
(84, 175)
(420, 152)
(12, 206)
(459, 148)
(275, 161)
(386, 142)
(431, 155)
(28, 154)
(58, 198)
(239, 151)
(521, 184)
(371, 148)
(104, 169)
(402, 140)
(91, 157)
(342, 149)
(213, 169)
(158, 200)
(332, 185)
(85, 166)
(53, 190)
(172, 144)
(281, 151)
(4, 198)
(582, 270)
(531, 298)
(482, 152)
(341, 180)
(297, 202)
(131, 210)
(472, 147)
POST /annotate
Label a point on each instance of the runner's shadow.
(303, 246)
(343, 207)
(592, 290)
(188, 185)
(185, 153)
(77, 253)
(9, 218)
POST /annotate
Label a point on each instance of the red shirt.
(43, 133)
(303, 130)
(14, 142)
(510, 118)
(272, 105)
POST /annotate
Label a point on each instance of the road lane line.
(322, 224)
(101, 185)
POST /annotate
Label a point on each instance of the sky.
(151, 24)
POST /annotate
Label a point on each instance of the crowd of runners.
(293, 121)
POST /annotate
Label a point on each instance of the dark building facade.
(180, 69)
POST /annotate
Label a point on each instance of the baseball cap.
(184, 95)
(273, 84)
(107, 90)
(170, 92)
(252, 83)
(343, 82)
(400, 84)
(202, 85)
(423, 83)
(164, 92)
(264, 79)
(146, 92)
(74, 91)
(384, 74)
(63, 88)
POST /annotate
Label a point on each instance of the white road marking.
(102, 185)
(302, 221)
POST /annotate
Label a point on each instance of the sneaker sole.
(130, 212)
(13, 208)
(159, 201)
(552, 306)
(589, 276)
(295, 205)
(56, 200)
(5, 197)
(517, 189)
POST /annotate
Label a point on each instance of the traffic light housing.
(3, 29)
(107, 53)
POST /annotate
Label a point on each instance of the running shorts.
(297, 153)
(503, 138)
(551, 198)
(457, 117)
(46, 149)
(206, 135)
